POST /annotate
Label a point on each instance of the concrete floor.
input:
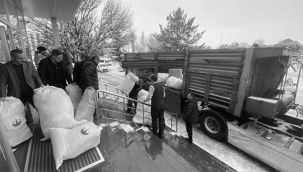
(225, 152)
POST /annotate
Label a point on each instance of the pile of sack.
(70, 135)
(170, 81)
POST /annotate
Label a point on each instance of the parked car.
(103, 67)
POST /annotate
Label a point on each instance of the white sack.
(173, 82)
(176, 73)
(55, 109)
(126, 85)
(75, 94)
(70, 143)
(138, 118)
(87, 106)
(162, 77)
(13, 122)
(132, 77)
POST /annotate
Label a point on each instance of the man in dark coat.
(89, 75)
(156, 94)
(52, 71)
(190, 115)
(18, 78)
(67, 61)
(134, 95)
(40, 54)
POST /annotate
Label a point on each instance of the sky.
(226, 21)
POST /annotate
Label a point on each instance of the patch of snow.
(143, 128)
(127, 128)
(114, 124)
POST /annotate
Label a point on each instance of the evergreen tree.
(179, 33)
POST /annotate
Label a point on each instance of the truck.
(246, 96)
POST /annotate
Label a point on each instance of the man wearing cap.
(40, 54)
(52, 71)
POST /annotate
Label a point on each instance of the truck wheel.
(213, 125)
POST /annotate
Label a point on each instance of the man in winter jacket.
(89, 75)
(190, 115)
(52, 71)
(134, 95)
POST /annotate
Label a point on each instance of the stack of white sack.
(176, 73)
(75, 94)
(128, 83)
(173, 82)
(55, 109)
(70, 143)
(132, 77)
(138, 118)
(162, 77)
(13, 122)
(87, 106)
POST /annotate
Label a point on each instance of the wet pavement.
(143, 151)
(224, 152)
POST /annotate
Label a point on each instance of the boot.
(189, 140)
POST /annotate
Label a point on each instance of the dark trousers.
(189, 130)
(158, 119)
(130, 105)
(28, 98)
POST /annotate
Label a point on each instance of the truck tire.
(213, 125)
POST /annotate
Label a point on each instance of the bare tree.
(89, 32)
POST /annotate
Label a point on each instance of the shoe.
(189, 140)
(160, 135)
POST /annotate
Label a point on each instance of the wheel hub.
(212, 125)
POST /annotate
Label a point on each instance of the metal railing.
(113, 106)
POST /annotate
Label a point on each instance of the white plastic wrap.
(126, 85)
(87, 106)
(13, 122)
(75, 94)
(162, 77)
(138, 118)
(55, 109)
(70, 143)
(173, 82)
(132, 77)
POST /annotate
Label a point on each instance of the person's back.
(158, 101)
(68, 63)
(77, 72)
(89, 76)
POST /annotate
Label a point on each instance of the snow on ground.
(225, 152)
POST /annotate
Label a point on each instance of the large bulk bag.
(173, 82)
(162, 77)
(126, 85)
(176, 73)
(70, 143)
(132, 77)
(87, 106)
(138, 118)
(55, 109)
(75, 94)
(13, 122)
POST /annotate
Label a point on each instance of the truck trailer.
(245, 94)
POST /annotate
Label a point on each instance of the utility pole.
(221, 38)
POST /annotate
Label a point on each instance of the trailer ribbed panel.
(215, 73)
(139, 64)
